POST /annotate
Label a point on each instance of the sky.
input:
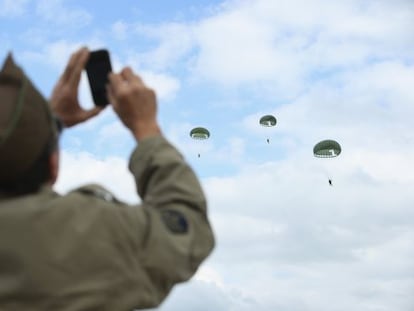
(341, 70)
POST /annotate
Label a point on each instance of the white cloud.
(166, 86)
(237, 48)
(55, 12)
(208, 274)
(283, 233)
(113, 136)
(111, 172)
(55, 53)
(204, 296)
(278, 46)
(164, 83)
(175, 42)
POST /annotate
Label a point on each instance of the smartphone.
(97, 68)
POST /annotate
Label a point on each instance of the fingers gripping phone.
(97, 68)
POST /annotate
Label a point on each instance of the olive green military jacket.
(88, 251)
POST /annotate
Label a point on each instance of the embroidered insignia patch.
(175, 221)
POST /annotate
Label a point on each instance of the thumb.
(88, 114)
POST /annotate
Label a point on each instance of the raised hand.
(64, 101)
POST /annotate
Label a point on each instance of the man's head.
(28, 133)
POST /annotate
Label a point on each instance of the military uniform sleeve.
(178, 235)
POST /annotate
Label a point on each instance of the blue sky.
(339, 70)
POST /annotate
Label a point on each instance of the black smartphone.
(97, 68)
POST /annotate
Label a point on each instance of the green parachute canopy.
(267, 120)
(199, 133)
(327, 149)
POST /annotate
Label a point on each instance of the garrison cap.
(26, 122)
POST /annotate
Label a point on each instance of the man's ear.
(54, 166)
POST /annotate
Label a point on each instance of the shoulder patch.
(175, 221)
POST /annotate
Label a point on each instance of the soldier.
(86, 250)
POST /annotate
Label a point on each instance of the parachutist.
(268, 121)
(199, 133)
(327, 149)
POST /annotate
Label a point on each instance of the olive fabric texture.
(26, 122)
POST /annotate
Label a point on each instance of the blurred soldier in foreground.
(86, 250)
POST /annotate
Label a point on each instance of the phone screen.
(97, 68)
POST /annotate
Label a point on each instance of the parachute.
(268, 121)
(199, 133)
(327, 149)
